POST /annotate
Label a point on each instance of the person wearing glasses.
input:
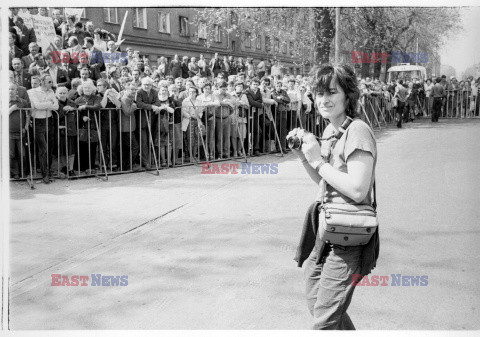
(349, 173)
(43, 102)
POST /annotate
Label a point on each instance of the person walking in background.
(438, 93)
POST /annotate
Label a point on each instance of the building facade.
(164, 31)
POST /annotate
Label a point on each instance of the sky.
(461, 50)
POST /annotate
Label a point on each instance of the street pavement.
(216, 251)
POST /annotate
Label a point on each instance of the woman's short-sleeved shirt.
(358, 136)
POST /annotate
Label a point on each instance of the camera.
(294, 143)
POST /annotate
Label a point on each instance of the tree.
(309, 31)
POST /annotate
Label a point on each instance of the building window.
(291, 48)
(202, 30)
(268, 44)
(164, 22)
(284, 47)
(218, 33)
(248, 39)
(258, 41)
(276, 46)
(110, 15)
(140, 18)
(233, 19)
(183, 25)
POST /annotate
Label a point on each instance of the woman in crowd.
(88, 106)
(166, 121)
(347, 166)
(192, 112)
(67, 114)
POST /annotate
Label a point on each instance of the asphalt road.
(216, 251)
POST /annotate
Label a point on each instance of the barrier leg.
(102, 157)
(30, 181)
(152, 146)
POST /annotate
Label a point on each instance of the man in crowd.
(43, 102)
(128, 126)
(21, 77)
(147, 100)
(438, 93)
(18, 126)
(184, 66)
(26, 35)
(109, 122)
(33, 49)
(59, 75)
(255, 101)
(223, 121)
(78, 32)
(215, 65)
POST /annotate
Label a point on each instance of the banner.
(43, 27)
(74, 11)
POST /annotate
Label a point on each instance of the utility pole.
(416, 55)
(337, 35)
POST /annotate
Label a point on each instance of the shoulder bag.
(347, 224)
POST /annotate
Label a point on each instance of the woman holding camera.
(346, 163)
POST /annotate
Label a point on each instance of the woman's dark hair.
(345, 77)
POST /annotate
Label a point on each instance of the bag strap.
(343, 128)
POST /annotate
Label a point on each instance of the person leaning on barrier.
(147, 100)
(282, 99)
(128, 126)
(192, 125)
(67, 114)
(109, 122)
(239, 120)
(88, 106)
(223, 121)
(43, 102)
(18, 122)
(255, 100)
(268, 120)
(209, 101)
(164, 137)
(349, 173)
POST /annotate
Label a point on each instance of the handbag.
(347, 224)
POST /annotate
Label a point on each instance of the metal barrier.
(75, 144)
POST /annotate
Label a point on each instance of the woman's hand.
(311, 149)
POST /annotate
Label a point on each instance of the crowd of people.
(98, 107)
(412, 98)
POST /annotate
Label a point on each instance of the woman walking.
(346, 164)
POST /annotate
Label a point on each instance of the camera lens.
(294, 143)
